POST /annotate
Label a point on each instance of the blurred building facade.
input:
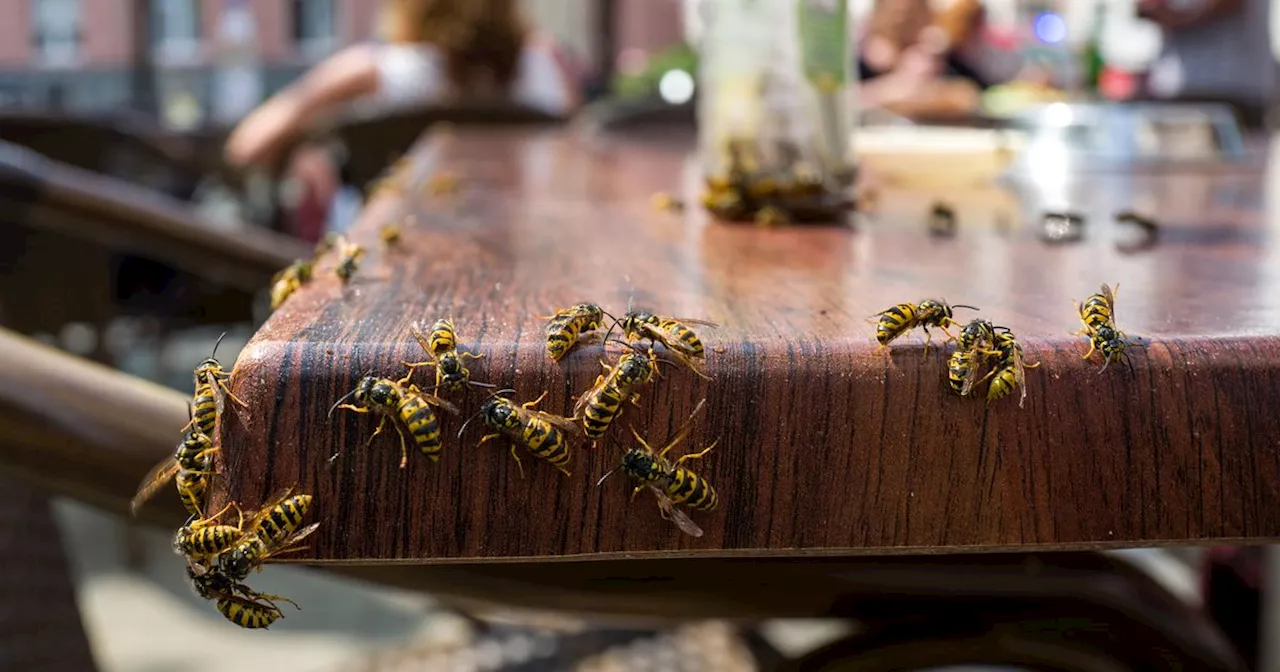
(80, 56)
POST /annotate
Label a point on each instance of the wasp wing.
(675, 515)
(971, 377)
(559, 421)
(581, 403)
(694, 320)
(265, 510)
(157, 478)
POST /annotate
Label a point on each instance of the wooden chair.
(72, 236)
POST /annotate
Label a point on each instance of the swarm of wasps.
(983, 344)
(548, 436)
(980, 344)
(220, 555)
(747, 190)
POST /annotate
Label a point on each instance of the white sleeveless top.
(412, 74)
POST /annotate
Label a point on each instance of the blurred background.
(128, 104)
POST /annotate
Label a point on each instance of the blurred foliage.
(645, 82)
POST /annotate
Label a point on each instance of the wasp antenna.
(479, 384)
(607, 474)
(963, 305)
(214, 354)
(341, 399)
(475, 415)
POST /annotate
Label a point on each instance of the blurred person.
(435, 50)
(1215, 51)
(915, 61)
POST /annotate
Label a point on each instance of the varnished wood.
(825, 447)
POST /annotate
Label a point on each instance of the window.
(315, 26)
(56, 28)
(175, 30)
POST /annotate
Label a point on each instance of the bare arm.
(1207, 11)
(342, 77)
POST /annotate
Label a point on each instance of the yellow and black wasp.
(390, 233)
(204, 538)
(567, 325)
(274, 530)
(211, 392)
(441, 345)
(672, 484)
(349, 261)
(600, 405)
(672, 332)
(287, 281)
(408, 408)
(546, 435)
(973, 347)
(898, 320)
(1097, 313)
(236, 601)
(1010, 369)
(191, 464)
(327, 243)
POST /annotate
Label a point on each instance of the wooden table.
(826, 448)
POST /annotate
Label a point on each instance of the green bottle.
(1091, 59)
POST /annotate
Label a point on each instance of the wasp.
(1010, 370)
(898, 320)
(664, 202)
(288, 280)
(567, 325)
(205, 537)
(600, 405)
(770, 216)
(672, 332)
(349, 261)
(973, 345)
(237, 602)
(544, 434)
(442, 183)
(327, 243)
(671, 484)
(441, 344)
(406, 407)
(273, 530)
(390, 233)
(191, 463)
(1097, 313)
(211, 392)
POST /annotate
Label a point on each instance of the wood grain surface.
(825, 447)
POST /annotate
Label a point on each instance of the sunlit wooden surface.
(825, 447)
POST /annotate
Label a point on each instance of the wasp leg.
(469, 355)
(535, 402)
(272, 599)
(698, 455)
(352, 407)
(1092, 348)
(381, 423)
(519, 464)
(636, 492)
(223, 385)
(413, 366)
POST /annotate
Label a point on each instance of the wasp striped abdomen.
(691, 490)
(246, 613)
